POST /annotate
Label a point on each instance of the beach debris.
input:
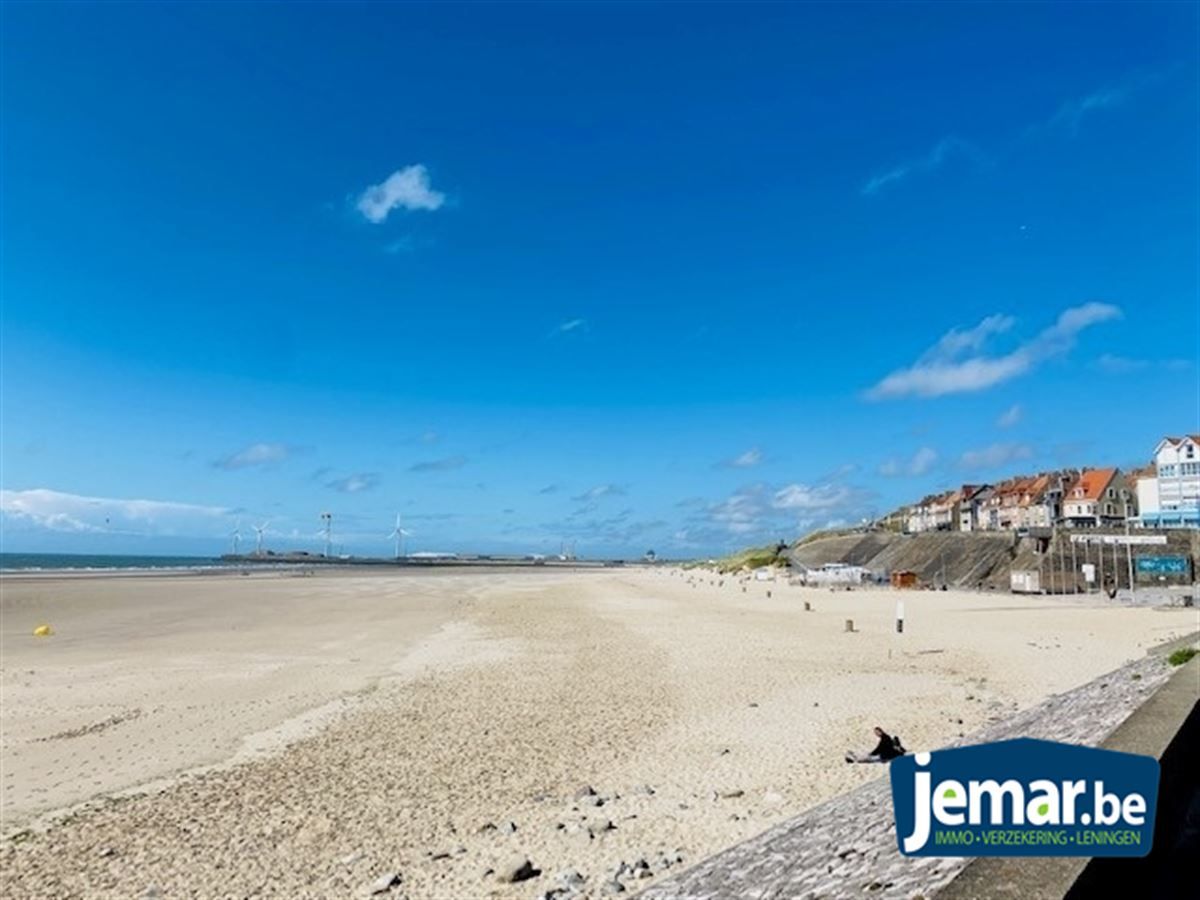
(43, 631)
(601, 827)
(729, 794)
(486, 827)
(644, 789)
(613, 886)
(105, 852)
(508, 828)
(771, 798)
(519, 868)
(591, 800)
(571, 878)
(351, 858)
(383, 883)
(586, 791)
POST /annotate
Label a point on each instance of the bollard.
(849, 625)
(807, 606)
(768, 595)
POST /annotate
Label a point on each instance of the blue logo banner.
(1024, 797)
(1166, 565)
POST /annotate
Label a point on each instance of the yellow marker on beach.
(43, 631)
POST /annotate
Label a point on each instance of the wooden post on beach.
(849, 626)
(899, 617)
(807, 606)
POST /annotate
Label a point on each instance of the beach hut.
(904, 579)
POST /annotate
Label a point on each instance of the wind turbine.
(237, 537)
(258, 545)
(399, 534)
(327, 519)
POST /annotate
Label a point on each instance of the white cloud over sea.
(50, 510)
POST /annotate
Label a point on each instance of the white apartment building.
(1171, 497)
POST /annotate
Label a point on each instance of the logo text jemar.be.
(1024, 797)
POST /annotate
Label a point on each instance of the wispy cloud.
(1073, 112)
(52, 510)
(356, 483)
(406, 188)
(994, 456)
(445, 464)
(760, 512)
(599, 492)
(1120, 365)
(1010, 416)
(921, 462)
(550, 489)
(403, 244)
(944, 150)
(956, 363)
(747, 460)
(254, 455)
(571, 326)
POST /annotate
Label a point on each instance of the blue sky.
(669, 276)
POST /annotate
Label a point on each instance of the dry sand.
(302, 737)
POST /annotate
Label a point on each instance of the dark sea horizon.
(38, 562)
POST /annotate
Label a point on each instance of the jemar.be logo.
(1024, 797)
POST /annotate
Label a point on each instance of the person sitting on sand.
(886, 750)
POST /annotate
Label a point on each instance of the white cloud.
(356, 483)
(994, 456)
(42, 508)
(598, 492)
(1072, 113)
(254, 455)
(749, 459)
(810, 497)
(955, 364)
(406, 188)
(945, 149)
(921, 462)
(1010, 416)
(569, 327)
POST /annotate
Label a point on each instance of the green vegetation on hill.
(754, 558)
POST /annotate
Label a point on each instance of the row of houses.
(1165, 493)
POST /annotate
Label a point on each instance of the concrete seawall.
(983, 560)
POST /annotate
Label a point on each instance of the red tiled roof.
(1092, 483)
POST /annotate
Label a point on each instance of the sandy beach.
(274, 735)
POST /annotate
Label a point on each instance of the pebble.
(591, 800)
(586, 791)
(508, 828)
(614, 887)
(384, 883)
(517, 869)
(571, 878)
(600, 827)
